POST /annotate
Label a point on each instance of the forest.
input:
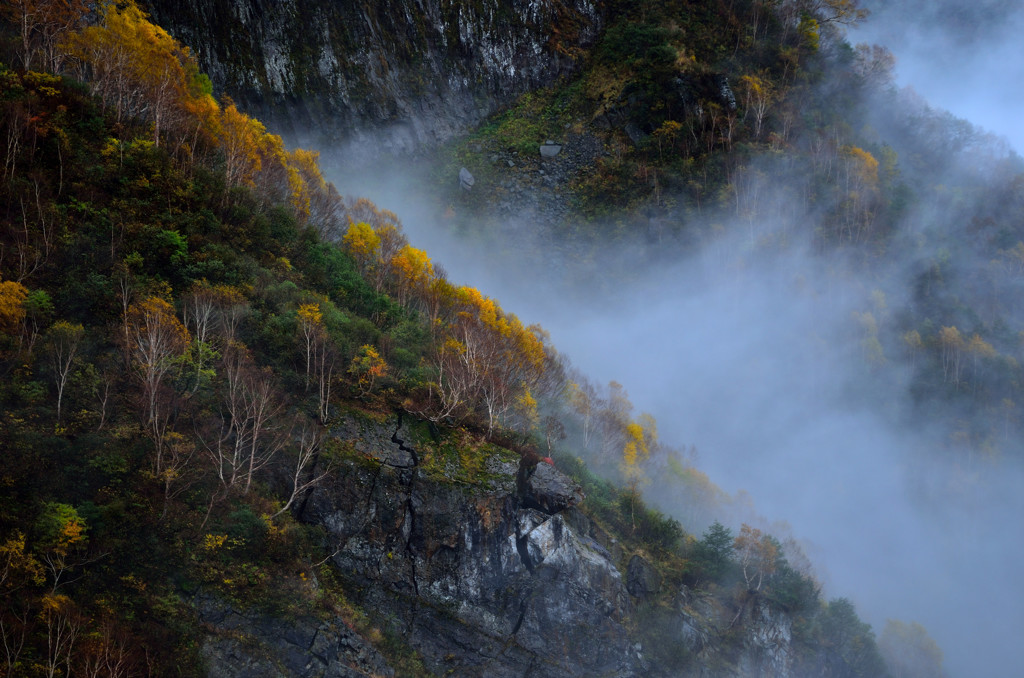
(189, 311)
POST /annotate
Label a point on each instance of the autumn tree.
(614, 417)
(367, 367)
(199, 310)
(412, 271)
(491, 354)
(18, 567)
(60, 540)
(979, 350)
(758, 556)
(312, 328)
(231, 308)
(240, 141)
(912, 340)
(909, 652)
(325, 357)
(42, 25)
(12, 306)
(860, 199)
(952, 347)
(583, 399)
(455, 385)
(758, 93)
(63, 340)
(846, 12)
(156, 339)
(63, 625)
(363, 243)
(137, 68)
(640, 435)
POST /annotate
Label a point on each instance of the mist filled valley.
(750, 403)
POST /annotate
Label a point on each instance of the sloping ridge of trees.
(185, 308)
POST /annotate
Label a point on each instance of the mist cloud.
(967, 58)
(753, 352)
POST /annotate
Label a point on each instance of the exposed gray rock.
(549, 490)
(466, 179)
(642, 579)
(246, 644)
(550, 149)
(378, 78)
(478, 582)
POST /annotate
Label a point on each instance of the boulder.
(466, 179)
(550, 149)
(642, 579)
(549, 490)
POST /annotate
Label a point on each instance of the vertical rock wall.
(379, 77)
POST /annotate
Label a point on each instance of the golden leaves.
(12, 309)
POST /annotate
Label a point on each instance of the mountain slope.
(290, 347)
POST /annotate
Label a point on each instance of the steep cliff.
(379, 77)
(492, 569)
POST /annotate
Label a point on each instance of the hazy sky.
(965, 57)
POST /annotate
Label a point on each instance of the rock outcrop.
(244, 644)
(479, 582)
(379, 77)
(499, 575)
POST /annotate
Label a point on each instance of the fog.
(752, 353)
(759, 365)
(965, 57)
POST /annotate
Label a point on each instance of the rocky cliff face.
(487, 566)
(379, 77)
(504, 579)
(503, 575)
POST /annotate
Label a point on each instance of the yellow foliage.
(981, 348)
(640, 436)
(367, 366)
(18, 567)
(53, 603)
(526, 405)
(310, 313)
(212, 542)
(413, 265)
(950, 337)
(362, 243)
(154, 320)
(12, 309)
(865, 165)
(241, 139)
(139, 69)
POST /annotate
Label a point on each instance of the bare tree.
(156, 339)
(310, 442)
(63, 339)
